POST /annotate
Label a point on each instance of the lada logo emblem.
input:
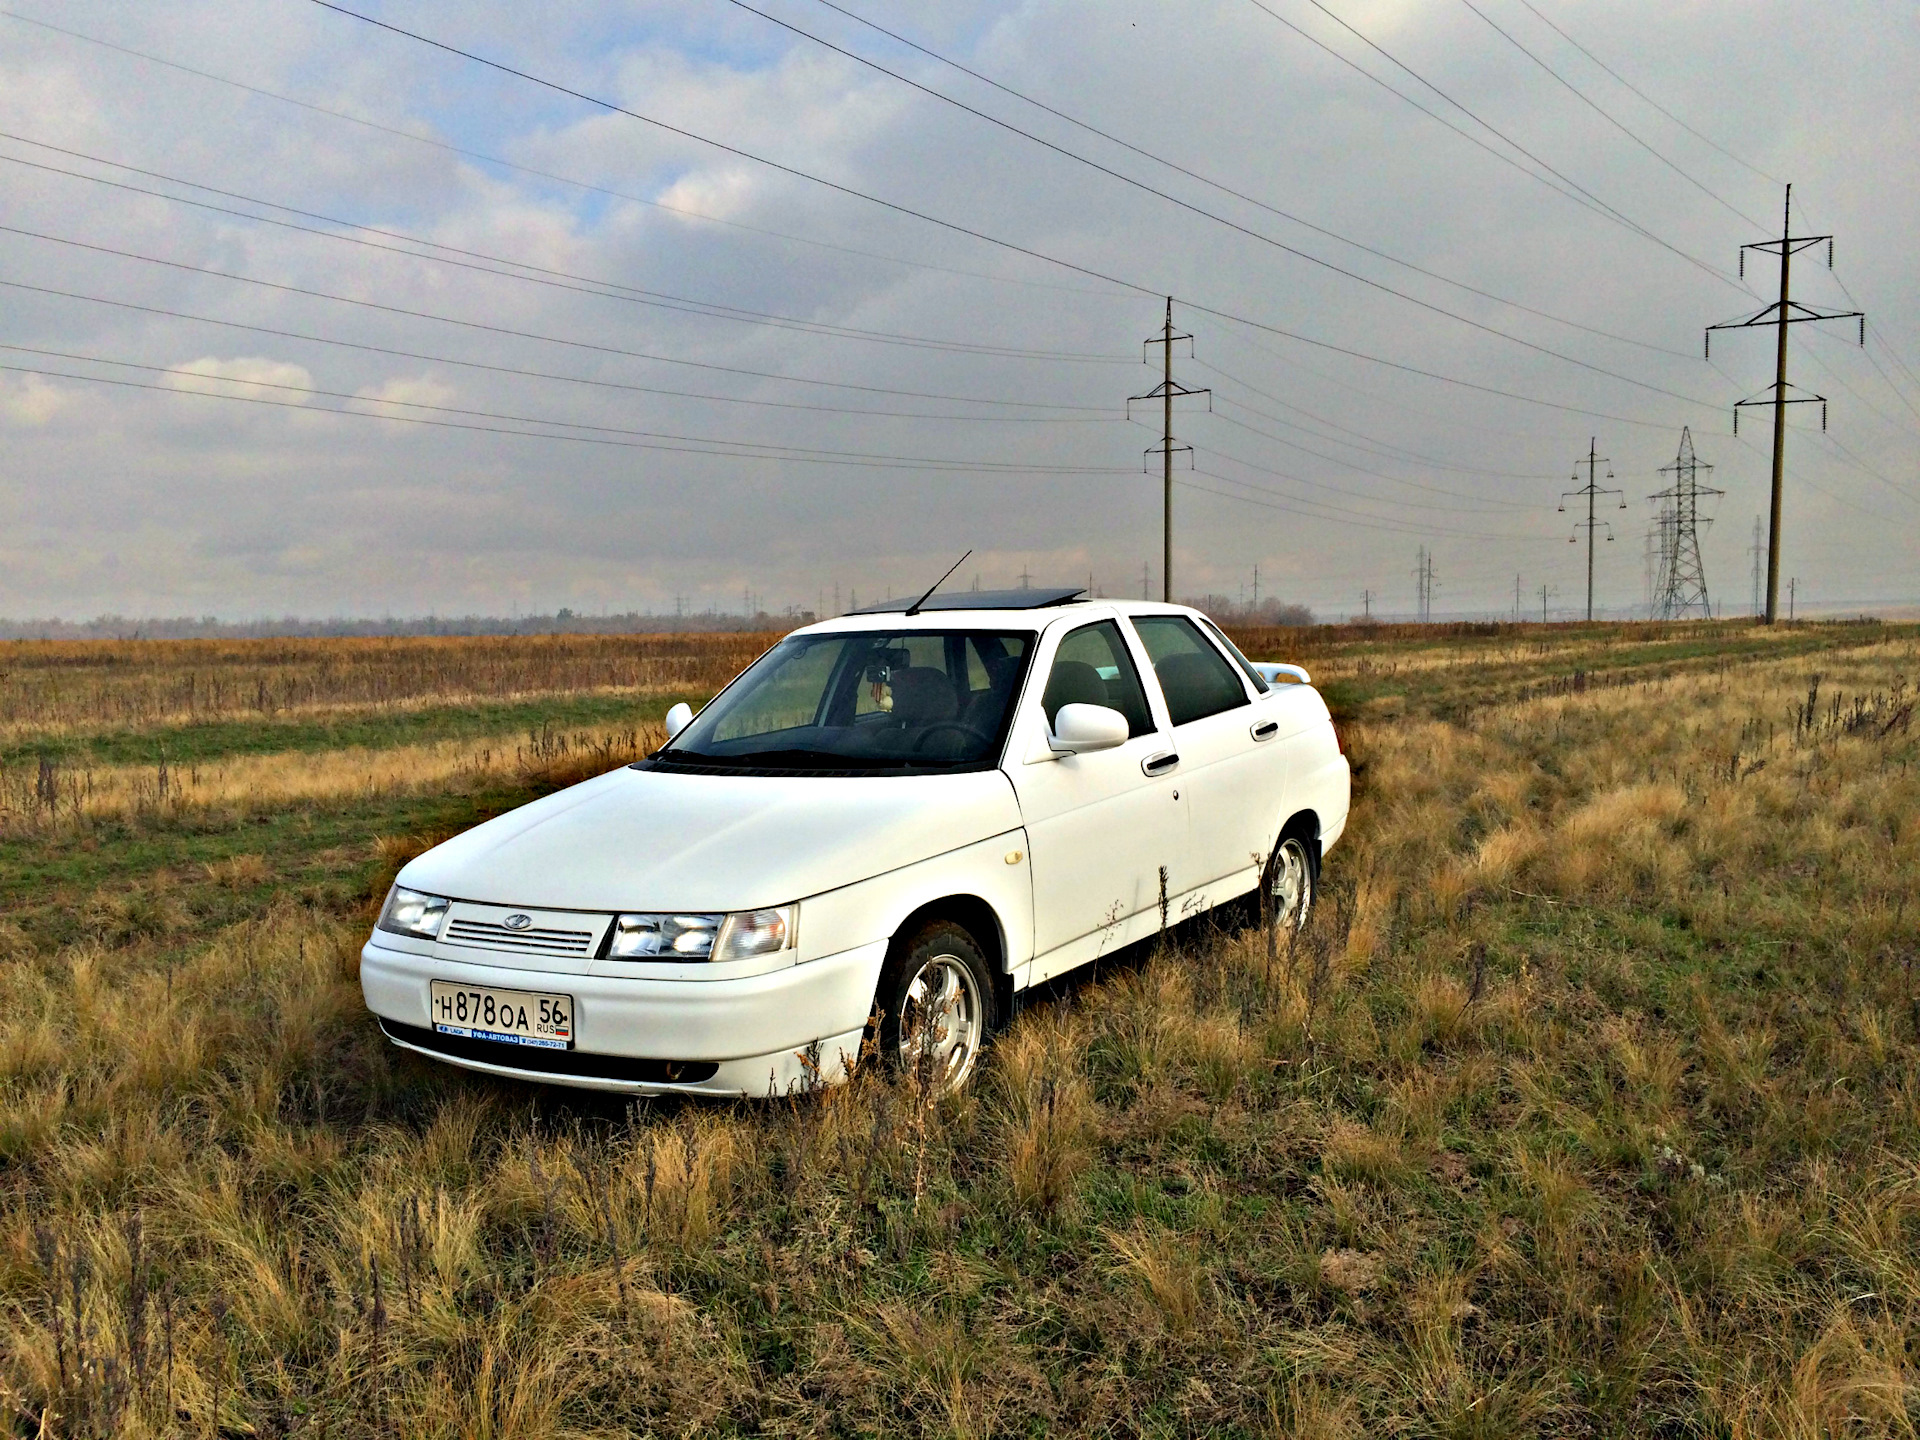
(517, 922)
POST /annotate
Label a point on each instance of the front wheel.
(1291, 881)
(936, 1006)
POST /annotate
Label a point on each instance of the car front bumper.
(787, 1028)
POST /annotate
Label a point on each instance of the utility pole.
(1759, 554)
(1516, 599)
(1423, 582)
(1592, 490)
(1026, 580)
(1545, 592)
(1166, 392)
(1256, 587)
(1792, 586)
(1782, 313)
(1684, 573)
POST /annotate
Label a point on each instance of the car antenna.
(914, 609)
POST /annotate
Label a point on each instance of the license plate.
(513, 1017)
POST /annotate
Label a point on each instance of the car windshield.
(908, 700)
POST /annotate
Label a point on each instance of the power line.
(1317, 485)
(1173, 165)
(1295, 509)
(504, 164)
(1229, 223)
(1483, 508)
(543, 275)
(1094, 417)
(684, 445)
(1607, 116)
(471, 324)
(958, 228)
(1445, 379)
(736, 150)
(1704, 139)
(1595, 201)
(1380, 447)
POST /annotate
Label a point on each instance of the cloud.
(251, 376)
(858, 394)
(31, 401)
(409, 390)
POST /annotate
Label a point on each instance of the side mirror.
(678, 718)
(1276, 674)
(1078, 729)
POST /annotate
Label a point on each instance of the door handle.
(1266, 729)
(1160, 764)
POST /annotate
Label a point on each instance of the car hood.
(657, 840)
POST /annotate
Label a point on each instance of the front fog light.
(663, 937)
(757, 932)
(409, 912)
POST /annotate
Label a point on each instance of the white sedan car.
(884, 829)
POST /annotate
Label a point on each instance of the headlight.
(674, 937)
(409, 912)
(663, 937)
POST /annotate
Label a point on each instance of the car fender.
(995, 872)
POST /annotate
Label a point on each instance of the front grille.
(536, 940)
(552, 1062)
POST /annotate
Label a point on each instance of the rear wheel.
(936, 1002)
(1292, 877)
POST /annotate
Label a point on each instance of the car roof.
(998, 617)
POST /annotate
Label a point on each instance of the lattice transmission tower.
(1683, 588)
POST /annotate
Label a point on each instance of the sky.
(306, 316)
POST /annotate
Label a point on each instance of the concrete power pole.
(1592, 490)
(1166, 392)
(1782, 313)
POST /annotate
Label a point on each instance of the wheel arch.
(1305, 824)
(979, 918)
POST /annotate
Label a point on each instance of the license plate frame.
(538, 1019)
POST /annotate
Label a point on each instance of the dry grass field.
(1587, 1105)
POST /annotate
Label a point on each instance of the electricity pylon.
(1782, 313)
(1592, 490)
(1167, 392)
(1423, 578)
(1684, 573)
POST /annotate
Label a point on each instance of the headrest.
(1073, 682)
(923, 695)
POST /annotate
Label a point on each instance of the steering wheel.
(937, 726)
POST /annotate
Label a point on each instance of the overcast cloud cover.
(160, 500)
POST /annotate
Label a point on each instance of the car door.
(1232, 773)
(1100, 825)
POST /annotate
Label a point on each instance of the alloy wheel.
(942, 1024)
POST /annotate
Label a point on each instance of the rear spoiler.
(1275, 673)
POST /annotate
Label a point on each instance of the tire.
(941, 960)
(1292, 881)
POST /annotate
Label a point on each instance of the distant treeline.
(1265, 612)
(562, 622)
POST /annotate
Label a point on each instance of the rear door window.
(1093, 667)
(1197, 679)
